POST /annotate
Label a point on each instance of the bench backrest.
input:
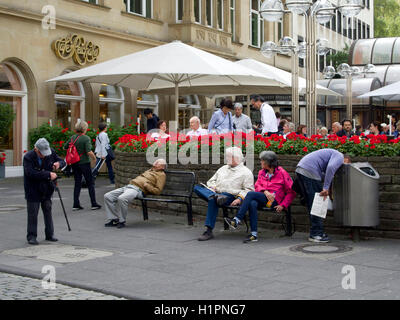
(179, 183)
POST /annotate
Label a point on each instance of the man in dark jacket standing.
(152, 119)
(38, 176)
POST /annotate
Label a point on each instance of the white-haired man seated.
(116, 202)
(197, 130)
(228, 186)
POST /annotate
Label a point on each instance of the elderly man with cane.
(38, 183)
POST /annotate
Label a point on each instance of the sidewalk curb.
(37, 276)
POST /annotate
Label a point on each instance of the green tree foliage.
(7, 117)
(339, 57)
(387, 18)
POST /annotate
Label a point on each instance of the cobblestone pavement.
(14, 287)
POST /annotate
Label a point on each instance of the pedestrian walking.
(268, 118)
(38, 184)
(82, 167)
(102, 153)
(221, 120)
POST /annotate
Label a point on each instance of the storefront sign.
(75, 47)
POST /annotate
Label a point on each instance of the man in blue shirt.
(316, 172)
(221, 121)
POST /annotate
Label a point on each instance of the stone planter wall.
(129, 165)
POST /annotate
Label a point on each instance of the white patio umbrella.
(390, 92)
(283, 76)
(173, 65)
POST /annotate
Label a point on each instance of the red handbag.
(72, 154)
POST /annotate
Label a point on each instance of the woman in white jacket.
(102, 144)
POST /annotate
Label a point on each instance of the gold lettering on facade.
(75, 47)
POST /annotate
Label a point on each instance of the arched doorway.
(14, 92)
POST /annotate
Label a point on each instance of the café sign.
(75, 47)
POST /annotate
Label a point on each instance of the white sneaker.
(319, 239)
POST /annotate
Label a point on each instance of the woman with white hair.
(197, 130)
(273, 187)
(228, 186)
(82, 168)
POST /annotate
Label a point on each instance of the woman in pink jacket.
(274, 185)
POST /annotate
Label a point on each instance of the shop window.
(111, 104)
(70, 102)
(13, 93)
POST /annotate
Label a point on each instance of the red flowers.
(305, 149)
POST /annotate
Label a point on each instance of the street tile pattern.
(14, 287)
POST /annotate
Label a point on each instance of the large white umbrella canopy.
(173, 65)
(390, 92)
(283, 76)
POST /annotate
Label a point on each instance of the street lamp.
(347, 72)
(322, 11)
(288, 47)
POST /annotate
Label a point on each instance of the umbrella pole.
(177, 105)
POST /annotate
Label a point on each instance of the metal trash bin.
(356, 195)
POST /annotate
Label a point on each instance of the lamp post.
(288, 47)
(321, 11)
(348, 73)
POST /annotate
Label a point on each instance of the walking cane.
(62, 204)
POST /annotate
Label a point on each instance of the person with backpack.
(103, 153)
(79, 149)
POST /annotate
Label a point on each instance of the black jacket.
(37, 183)
(152, 123)
(342, 133)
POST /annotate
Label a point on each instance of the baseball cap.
(43, 146)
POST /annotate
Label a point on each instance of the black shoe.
(52, 239)
(221, 199)
(250, 238)
(207, 235)
(112, 223)
(232, 223)
(121, 225)
(33, 241)
(77, 208)
(96, 207)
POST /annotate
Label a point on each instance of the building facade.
(42, 39)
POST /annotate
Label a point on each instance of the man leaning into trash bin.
(38, 183)
(315, 172)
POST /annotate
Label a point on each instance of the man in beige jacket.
(229, 185)
(150, 182)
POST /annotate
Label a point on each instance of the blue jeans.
(110, 170)
(311, 187)
(251, 203)
(212, 210)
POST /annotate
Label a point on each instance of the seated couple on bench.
(151, 181)
(233, 185)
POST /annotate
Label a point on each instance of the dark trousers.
(212, 209)
(251, 203)
(33, 211)
(99, 163)
(311, 187)
(86, 171)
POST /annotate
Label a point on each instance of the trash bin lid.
(366, 168)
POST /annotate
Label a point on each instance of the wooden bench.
(287, 222)
(179, 185)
